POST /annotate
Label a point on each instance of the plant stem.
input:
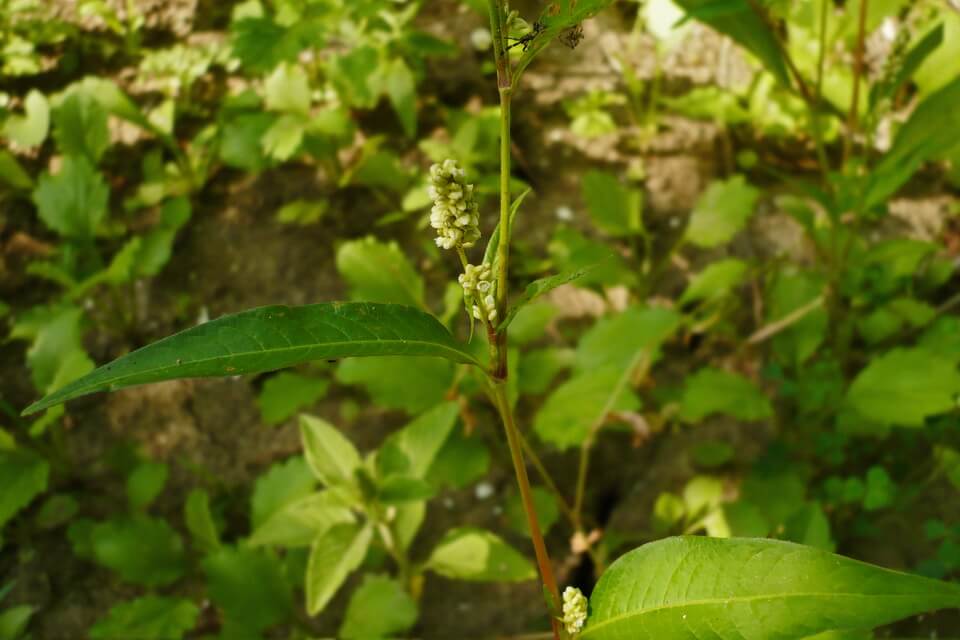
(503, 249)
(815, 107)
(523, 482)
(857, 75)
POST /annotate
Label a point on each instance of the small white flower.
(455, 214)
(574, 610)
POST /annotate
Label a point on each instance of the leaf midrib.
(738, 599)
(53, 398)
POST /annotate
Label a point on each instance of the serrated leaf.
(578, 406)
(904, 386)
(142, 550)
(250, 586)
(474, 554)
(716, 281)
(74, 201)
(721, 212)
(30, 129)
(23, 476)
(389, 385)
(80, 126)
(710, 391)
(332, 457)
(335, 554)
(617, 339)
(145, 483)
(286, 393)
(287, 90)
(614, 208)
(379, 608)
(199, 521)
(379, 272)
(147, 618)
(270, 338)
(690, 587)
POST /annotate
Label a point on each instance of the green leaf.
(199, 521)
(881, 490)
(721, 212)
(147, 618)
(80, 127)
(401, 88)
(298, 523)
(716, 281)
(918, 140)
(287, 90)
(250, 586)
(379, 272)
(23, 476)
(284, 483)
(14, 621)
(579, 406)
(789, 292)
(270, 338)
(145, 484)
(282, 140)
(30, 129)
(74, 201)
(332, 457)
(614, 208)
(389, 384)
(474, 554)
(886, 89)
(943, 64)
(710, 391)
(379, 608)
(12, 173)
(55, 334)
(904, 386)
(335, 554)
(544, 503)
(739, 20)
(56, 511)
(539, 287)
(461, 461)
(619, 339)
(142, 550)
(692, 587)
(286, 393)
(412, 449)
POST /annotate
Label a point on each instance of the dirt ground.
(234, 255)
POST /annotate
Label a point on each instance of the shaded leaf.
(710, 391)
(286, 393)
(379, 272)
(379, 608)
(904, 386)
(721, 212)
(23, 476)
(147, 618)
(74, 201)
(250, 587)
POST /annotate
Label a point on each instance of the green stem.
(503, 249)
(857, 75)
(526, 496)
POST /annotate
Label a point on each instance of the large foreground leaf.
(750, 589)
(271, 338)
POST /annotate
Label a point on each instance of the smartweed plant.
(679, 587)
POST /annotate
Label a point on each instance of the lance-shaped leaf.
(270, 338)
(750, 589)
(335, 554)
(744, 23)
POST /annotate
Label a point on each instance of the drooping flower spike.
(455, 214)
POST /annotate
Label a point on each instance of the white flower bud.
(574, 610)
(455, 214)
